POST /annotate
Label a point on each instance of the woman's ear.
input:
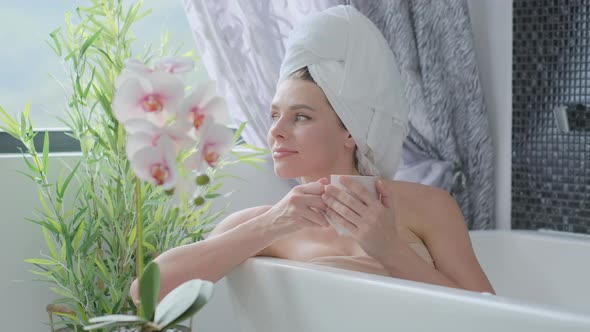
(349, 142)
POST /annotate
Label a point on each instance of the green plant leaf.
(89, 42)
(85, 92)
(149, 246)
(71, 317)
(53, 36)
(49, 243)
(27, 109)
(102, 268)
(13, 127)
(106, 55)
(113, 320)
(78, 236)
(68, 179)
(238, 132)
(41, 261)
(150, 289)
(23, 125)
(46, 152)
(255, 148)
(32, 167)
(79, 269)
(144, 14)
(177, 302)
(63, 257)
(46, 274)
(132, 235)
(62, 292)
(44, 203)
(204, 295)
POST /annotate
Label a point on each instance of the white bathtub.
(542, 280)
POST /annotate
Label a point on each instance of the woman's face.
(306, 137)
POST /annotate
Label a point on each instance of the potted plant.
(92, 242)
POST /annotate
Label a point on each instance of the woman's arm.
(372, 223)
(238, 237)
(447, 238)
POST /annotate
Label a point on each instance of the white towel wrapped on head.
(352, 63)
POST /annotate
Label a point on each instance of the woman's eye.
(301, 116)
(298, 117)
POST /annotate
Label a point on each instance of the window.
(30, 68)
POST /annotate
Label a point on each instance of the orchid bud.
(199, 201)
(202, 180)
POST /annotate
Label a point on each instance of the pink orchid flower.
(216, 142)
(203, 107)
(133, 69)
(142, 133)
(154, 97)
(157, 164)
(170, 65)
(174, 65)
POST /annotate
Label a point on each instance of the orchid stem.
(139, 253)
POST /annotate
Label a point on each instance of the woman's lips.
(282, 154)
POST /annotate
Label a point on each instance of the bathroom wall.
(22, 302)
(550, 167)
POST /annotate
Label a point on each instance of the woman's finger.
(358, 190)
(343, 210)
(309, 223)
(316, 187)
(383, 194)
(346, 199)
(315, 216)
(337, 218)
(315, 201)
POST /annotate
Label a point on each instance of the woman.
(338, 109)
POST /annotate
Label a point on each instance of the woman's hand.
(300, 208)
(370, 221)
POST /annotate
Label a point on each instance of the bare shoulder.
(438, 221)
(237, 218)
(413, 191)
(428, 207)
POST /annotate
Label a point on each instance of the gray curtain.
(449, 145)
(450, 132)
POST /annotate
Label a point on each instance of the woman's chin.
(287, 172)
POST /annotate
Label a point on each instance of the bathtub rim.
(542, 233)
(472, 297)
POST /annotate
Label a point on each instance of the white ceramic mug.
(367, 181)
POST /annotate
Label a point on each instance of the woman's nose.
(279, 128)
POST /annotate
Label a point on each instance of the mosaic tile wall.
(551, 115)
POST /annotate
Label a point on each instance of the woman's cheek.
(323, 140)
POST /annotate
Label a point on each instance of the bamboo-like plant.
(91, 243)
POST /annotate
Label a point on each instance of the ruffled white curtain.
(242, 45)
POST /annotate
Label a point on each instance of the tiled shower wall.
(551, 70)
